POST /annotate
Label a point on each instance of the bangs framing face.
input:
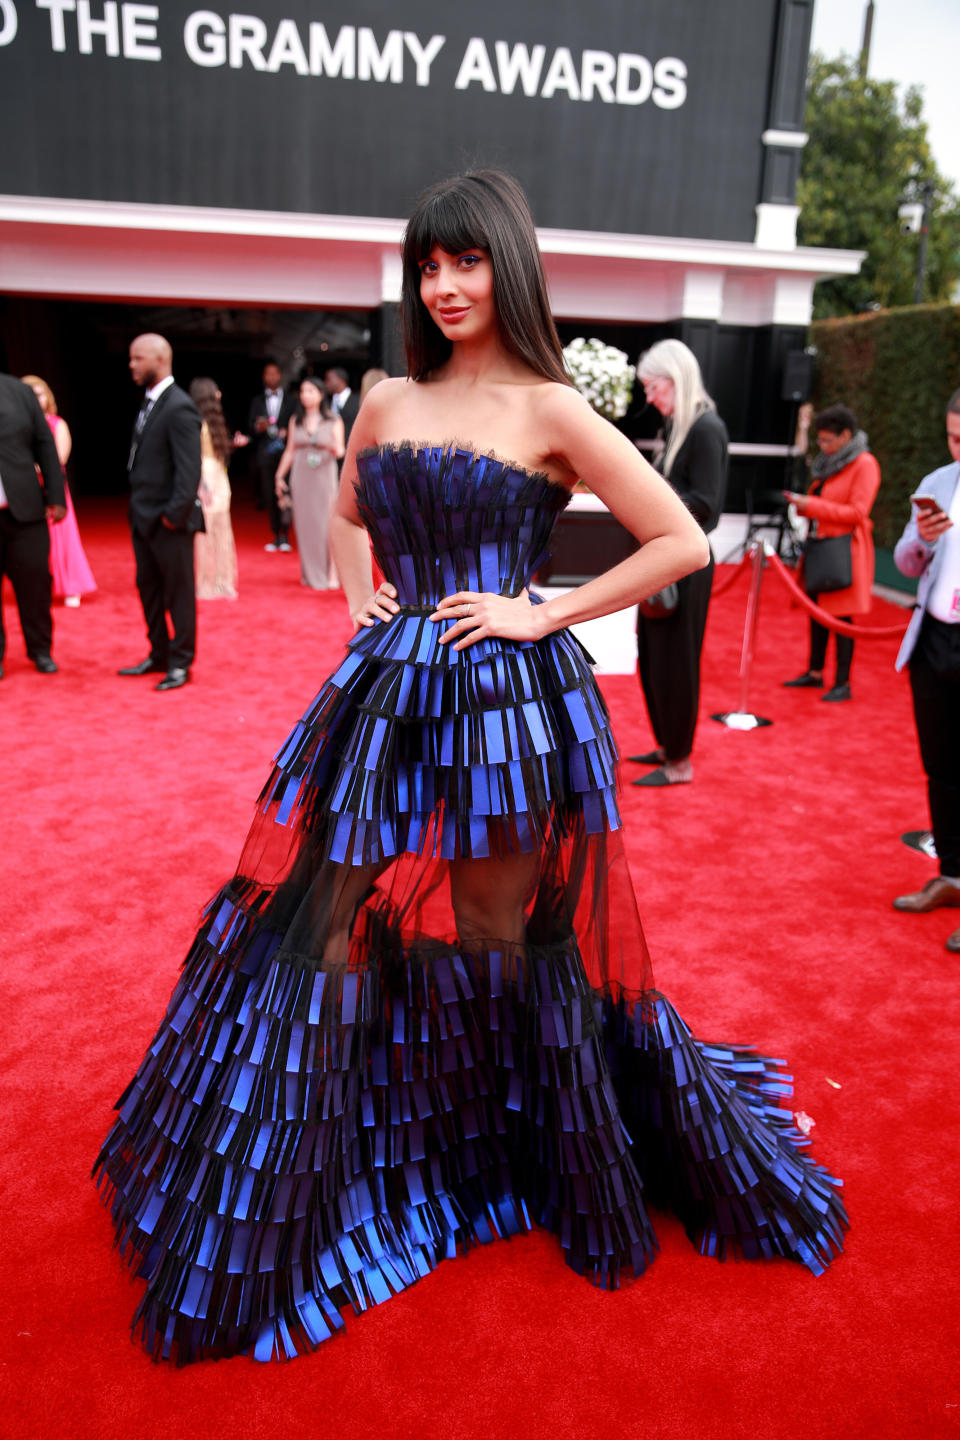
(448, 222)
(481, 210)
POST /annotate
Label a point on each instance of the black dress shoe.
(658, 778)
(174, 679)
(652, 757)
(838, 692)
(935, 893)
(44, 664)
(146, 667)
(806, 681)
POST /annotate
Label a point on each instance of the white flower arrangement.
(602, 374)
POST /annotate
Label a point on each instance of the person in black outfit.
(271, 411)
(694, 461)
(929, 551)
(343, 401)
(165, 513)
(26, 442)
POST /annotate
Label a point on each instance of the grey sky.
(915, 42)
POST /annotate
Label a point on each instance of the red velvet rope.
(724, 585)
(857, 632)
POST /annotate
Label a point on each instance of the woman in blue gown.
(421, 1013)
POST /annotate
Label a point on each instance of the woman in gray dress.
(307, 479)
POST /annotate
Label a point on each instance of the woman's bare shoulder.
(560, 407)
(386, 397)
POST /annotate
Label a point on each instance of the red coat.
(843, 508)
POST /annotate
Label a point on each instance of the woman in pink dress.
(72, 576)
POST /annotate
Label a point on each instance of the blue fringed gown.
(303, 1135)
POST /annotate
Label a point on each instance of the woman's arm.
(673, 545)
(339, 438)
(349, 541)
(286, 459)
(63, 441)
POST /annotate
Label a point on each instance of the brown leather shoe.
(953, 942)
(935, 893)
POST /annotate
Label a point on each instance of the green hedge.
(896, 369)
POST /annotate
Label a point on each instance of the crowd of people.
(180, 497)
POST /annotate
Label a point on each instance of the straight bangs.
(447, 220)
(483, 210)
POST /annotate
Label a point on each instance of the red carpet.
(766, 891)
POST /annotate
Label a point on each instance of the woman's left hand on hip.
(478, 614)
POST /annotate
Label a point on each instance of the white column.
(702, 293)
(776, 226)
(391, 277)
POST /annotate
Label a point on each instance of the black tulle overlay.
(421, 1014)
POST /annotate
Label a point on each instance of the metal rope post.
(744, 719)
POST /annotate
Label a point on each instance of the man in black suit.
(26, 441)
(271, 411)
(165, 513)
(343, 401)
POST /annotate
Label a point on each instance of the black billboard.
(639, 116)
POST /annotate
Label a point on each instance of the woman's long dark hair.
(205, 394)
(487, 209)
(326, 409)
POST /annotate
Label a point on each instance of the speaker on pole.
(797, 376)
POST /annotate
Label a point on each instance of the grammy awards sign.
(626, 115)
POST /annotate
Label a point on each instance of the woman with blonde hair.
(69, 566)
(370, 378)
(670, 637)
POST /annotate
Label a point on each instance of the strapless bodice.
(444, 518)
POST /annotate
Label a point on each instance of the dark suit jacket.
(26, 441)
(258, 410)
(349, 412)
(164, 468)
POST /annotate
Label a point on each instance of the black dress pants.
(165, 580)
(25, 557)
(819, 635)
(935, 682)
(267, 484)
(668, 653)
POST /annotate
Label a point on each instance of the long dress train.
(315, 1127)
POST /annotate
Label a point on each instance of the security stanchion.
(720, 587)
(830, 622)
(744, 719)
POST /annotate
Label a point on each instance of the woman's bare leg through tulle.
(489, 897)
(336, 909)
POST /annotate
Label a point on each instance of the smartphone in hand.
(926, 505)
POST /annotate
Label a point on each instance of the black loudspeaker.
(797, 376)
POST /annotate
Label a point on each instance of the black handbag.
(661, 603)
(827, 564)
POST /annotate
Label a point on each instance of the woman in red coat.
(846, 478)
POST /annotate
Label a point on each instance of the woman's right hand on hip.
(382, 605)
